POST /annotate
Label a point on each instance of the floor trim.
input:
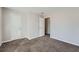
(65, 41)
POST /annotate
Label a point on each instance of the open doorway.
(47, 26)
(44, 26)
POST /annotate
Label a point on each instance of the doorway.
(44, 26)
(47, 26)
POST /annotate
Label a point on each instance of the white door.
(16, 27)
(41, 26)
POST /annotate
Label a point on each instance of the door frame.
(42, 29)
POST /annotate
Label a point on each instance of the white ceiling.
(32, 9)
(42, 9)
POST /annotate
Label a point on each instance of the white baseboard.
(30, 38)
(8, 40)
(20, 38)
(65, 41)
(13, 39)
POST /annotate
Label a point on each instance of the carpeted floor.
(41, 44)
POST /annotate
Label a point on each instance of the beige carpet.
(41, 44)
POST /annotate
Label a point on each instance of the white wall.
(33, 25)
(19, 25)
(30, 25)
(0, 25)
(25, 23)
(12, 28)
(65, 25)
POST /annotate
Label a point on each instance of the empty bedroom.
(39, 29)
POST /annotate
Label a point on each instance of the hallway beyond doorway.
(47, 26)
